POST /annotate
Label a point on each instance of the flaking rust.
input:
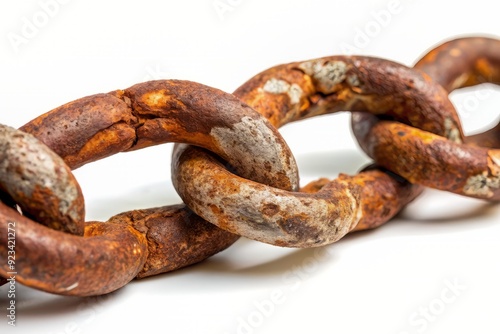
(423, 145)
(106, 258)
(145, 242)
(262, 212)
(276, 86)
(327, 74)
(326, 85)
(487, 183)
(39, 180)
(164, 111)
(442, 162)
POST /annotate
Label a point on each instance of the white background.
(380, 281)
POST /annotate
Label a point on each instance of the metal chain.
(468, 169)
(135, 244)
(240, 177)
(295, 91)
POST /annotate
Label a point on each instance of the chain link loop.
(291, 92)
(431, 160)
(142, 243)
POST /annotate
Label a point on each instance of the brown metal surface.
(466, 62)
(261, 212)
(424, 146)
(463, 62)
(383, 194)
(351, 83)
(431, 160)
(164, 111)
(176, 237)
(144, 242)
(40, 182)
(295, 91)
(106, 258)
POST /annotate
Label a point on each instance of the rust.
(419, 138)
(429, 159)
(176, 237)
(379, 86)
(383, 195)
(40, 182)
(108, 257)
(84, 125)
(463, 62)
(296, 91)
(164, 111)
(144, 242)
(466, 62)
(262, 212)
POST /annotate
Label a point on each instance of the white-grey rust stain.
(328, 75)
(277, 86)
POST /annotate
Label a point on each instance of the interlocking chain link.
(240, 174)
(146, 242)
(430, 160)
(295, 91)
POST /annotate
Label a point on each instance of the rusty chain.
(233, 170)
(469, 169)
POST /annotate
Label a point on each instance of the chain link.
(424, 158)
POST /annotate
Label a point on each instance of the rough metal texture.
(466, 62)
(164, 111)
(147, 242)
(295, 91)
(40, 182)
(383, 194)
(107, 257)
(353, 83)
(463, 62)
(134, 244)
(431, 160)
(144, 242)
(261, 212)
(176, 237)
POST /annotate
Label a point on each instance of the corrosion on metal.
(353, 83)
(164, 111)
(431, 160)
(176, 237)
(326, 85)
(148, 242)
(463, 62)
(107, 257)
(262, 212)
(40, 182)
(154, 240)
